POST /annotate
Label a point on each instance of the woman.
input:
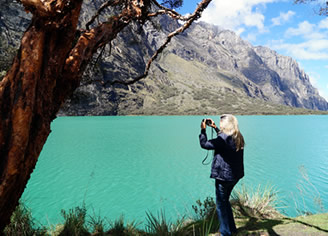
(227, 166)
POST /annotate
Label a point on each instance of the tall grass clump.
(75, 222)
(159, 225)
(22, 223)
(260, 203)
(119, 228)
(255, 203)
(205, 218)
(307, 189)
(205, 209)
(96, 224)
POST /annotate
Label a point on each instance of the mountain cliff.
(205, 70)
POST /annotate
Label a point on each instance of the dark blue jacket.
(228, 164)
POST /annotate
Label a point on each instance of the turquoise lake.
(130, 165)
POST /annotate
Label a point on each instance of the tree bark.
(27, 103)
(46, 70)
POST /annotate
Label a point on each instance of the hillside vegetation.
(189, 88)
(255, 213)
(206, 70)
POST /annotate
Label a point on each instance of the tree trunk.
(27, 103)
(46, 70)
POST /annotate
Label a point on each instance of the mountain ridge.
(206, 69)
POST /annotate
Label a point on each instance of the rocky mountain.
(205, 70)
(276, 78)
(13, 22)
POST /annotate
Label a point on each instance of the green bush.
(22, 223)
(206, 220)
(204, 210)
(157, 225)
(75, 220)
(258, 203)
(96, 225)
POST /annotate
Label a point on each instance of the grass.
(255, 212)
(75, 222)
(159, 225)
(22, 223)
(304, 225)
(259, 203)
(189, 88)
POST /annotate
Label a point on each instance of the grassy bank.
(255, 214)
(303, 225)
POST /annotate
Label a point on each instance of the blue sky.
(294, 30)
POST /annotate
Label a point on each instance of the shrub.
(307, 188)
(159, 225)
(22, 223)
(118, 228)
(204, 210)
(74, 224)
(259, 203)
(206, 220)
(96, 225)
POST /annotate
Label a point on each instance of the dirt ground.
(315, 225)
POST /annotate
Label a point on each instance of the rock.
(203, 70)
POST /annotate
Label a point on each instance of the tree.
(47, 69)
(323, 7)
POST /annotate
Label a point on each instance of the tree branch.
(323, 7)
(91, 40)
(165, 8)
(324, 10)
(100, 10)
(195, 16)
(44, 8)
(167, 11)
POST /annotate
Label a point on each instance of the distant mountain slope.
(279, 78)
(205, 70)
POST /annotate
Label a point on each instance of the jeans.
(223, 207)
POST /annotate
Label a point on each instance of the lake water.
(130, 165)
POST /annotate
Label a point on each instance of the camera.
(208, 121)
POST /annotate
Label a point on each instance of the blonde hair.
(229, 126)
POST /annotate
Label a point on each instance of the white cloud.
(239, 31)
(327, 68)
(323, 24)
(282, 18)
(323, 93)
(317, 45)
(251, 37)
(255, 19)
(307, 31)
(305, 42)
(235, 14)
(304, 28)
(309, 50)
(314, 79)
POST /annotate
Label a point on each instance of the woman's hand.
(213, 125)
(203, 125)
